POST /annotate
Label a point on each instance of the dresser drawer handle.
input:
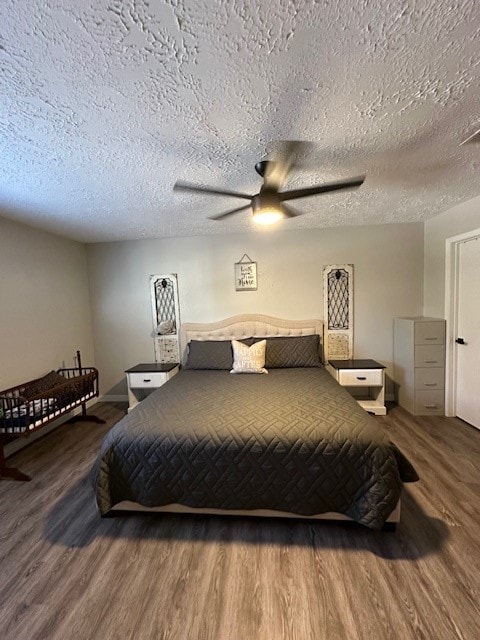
(361, 377)
(430, 384)
(430, 406)
(147, 379)
(431, 338)
(431, 361)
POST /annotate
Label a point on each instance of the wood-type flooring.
(67, 574)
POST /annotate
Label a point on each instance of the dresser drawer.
(430, 355)
(430, 333)
(146, 380)
(361, 377)
(429, 402)
(430, 378)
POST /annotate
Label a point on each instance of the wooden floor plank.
(67, 573)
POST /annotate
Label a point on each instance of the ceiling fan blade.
(322, 188)
(278, 169)
(288, 212)
(185, 186)
(220, 216)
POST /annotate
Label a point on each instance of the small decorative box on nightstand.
(364, 379)
(144, 378)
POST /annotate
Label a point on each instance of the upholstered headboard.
(246, 326)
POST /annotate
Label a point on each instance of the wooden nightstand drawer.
(430, 355)
(360, 377)
(430, 378)
(430, 333)
(147, 380)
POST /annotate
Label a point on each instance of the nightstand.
(364, 380)
(145, 378)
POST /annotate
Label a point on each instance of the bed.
(289, 443)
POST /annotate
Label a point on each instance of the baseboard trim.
(113, 398)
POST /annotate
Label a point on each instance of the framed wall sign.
(246, 274)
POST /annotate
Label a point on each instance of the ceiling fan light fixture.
(267, 208)
(267, 216)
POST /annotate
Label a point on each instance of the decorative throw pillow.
(249, 359)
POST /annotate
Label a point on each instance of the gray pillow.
(209, 354)
(293, 351)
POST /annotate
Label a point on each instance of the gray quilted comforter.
(293, 440)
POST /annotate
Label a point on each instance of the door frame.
(452, 246)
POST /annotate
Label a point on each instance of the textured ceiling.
(104, 105)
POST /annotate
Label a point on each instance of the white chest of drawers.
(419, 364)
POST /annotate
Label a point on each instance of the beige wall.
(460, 219)
(45, 296)
(44, 303)
(388, 268)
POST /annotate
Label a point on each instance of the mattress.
(293, 440)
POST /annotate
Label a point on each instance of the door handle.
(460, 341)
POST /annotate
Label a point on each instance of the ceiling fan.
(268, 205)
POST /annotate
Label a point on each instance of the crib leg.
(84, 417)
(13, 474)
(10, 472)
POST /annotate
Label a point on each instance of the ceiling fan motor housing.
(266, 200)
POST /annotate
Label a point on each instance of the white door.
(468, 332)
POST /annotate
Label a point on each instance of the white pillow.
(249, 359)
